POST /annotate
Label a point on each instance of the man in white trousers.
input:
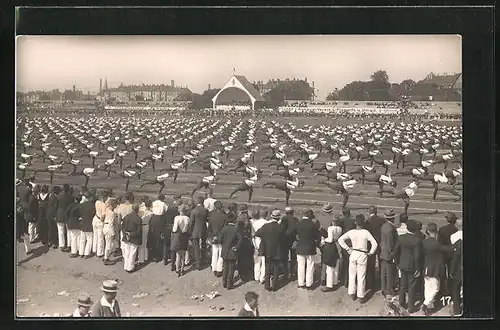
(87, 214)
(146, 218)
(216, 221)
(97, 225)
(132, 238)
(122, 211)
(259, 261)
(308, 239)
(358, 257)
(109, 230)
(64, 200)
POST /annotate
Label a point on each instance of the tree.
(333, 96)
(408, 84)
(380, 76)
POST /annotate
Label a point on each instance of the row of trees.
(377, 89)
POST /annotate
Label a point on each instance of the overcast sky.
(46, 62)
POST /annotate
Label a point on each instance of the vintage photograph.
(238, 176)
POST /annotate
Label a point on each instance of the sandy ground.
(44, 274)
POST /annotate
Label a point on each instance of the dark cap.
(309, 214)
(360, 219)
(412, 225)
(450, 216)
(390, 214)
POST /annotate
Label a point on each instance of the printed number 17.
(445, 300)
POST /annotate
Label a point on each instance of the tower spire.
(106, 83)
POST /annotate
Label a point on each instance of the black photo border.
(474, 24)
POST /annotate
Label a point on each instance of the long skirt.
(245, 262)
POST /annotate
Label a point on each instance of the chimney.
(74, 88)
(306, 79)
(172, 83)
(208, 86)
(100, 86)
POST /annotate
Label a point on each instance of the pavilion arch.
(241, 83)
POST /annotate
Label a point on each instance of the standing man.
(444, 235)
(272, 245)
(347, 223)
(107, 306)
(289, 226)
(259, 261)
(157, 228)
(408, 256)
(388, 240)
(216, 221)
(31, 214)
(307, 242)
(87, 213)
(198, 229)
(434, 267)
(245, 252)
(51, 216)
(64, 200)
(230, 240)
(373, 225)
(84, 304)
(456, 271)
(122, 211)
(132, 238)
(358, 257)
(170, 214)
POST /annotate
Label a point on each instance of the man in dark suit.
(388, 240)
(51, 216)
(347, 223)
(373, 225)
(444, 235)
(216, 221)
(289, 224)
(230, 241)
(64, 200)
(307, 241)
(251, 307)
(434, 267)
(456, 272)
(132, 238)
(198, 229)
(171, 212)
(408, 255)
(271, 247)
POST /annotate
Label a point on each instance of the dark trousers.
(388, 274)
(344, 269)
(156, 245)
(42, 230)
(199, 250)
(290, 267)
(272, 273)
(52, 232)
(371, 273)
(455, 286)
(166, 246)
(408, 285)
(228, 268)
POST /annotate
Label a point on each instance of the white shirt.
(359, 239)
(209, 204)
(105, 303)
(181, 223)
(249, 309)
(256, 225)
(402, 229)
(76, 313)
(159, 207)
(456, 237)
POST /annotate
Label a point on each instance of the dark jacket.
(63, 202)
(198, 222)
(99, 310)
(23, 192)
(87, 213)
(289, 225)
(408, 252)
(347, 223)
(31, 212)
(52, 205)
(272, 238)
(230, 240)
(433, 258)
(445, 232)
(456, 269)
(216, 221)
(244, 313)
(170, 214)
(388, 240)
(307, 237)
(374, 226)
(132, 224)
(73, 216)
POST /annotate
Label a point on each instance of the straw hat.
(109, 286)
(84, 300)
(276, 214)
(328, 207)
